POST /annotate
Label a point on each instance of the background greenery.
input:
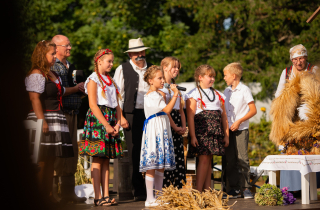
(258, 33)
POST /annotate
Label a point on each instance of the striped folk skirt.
(57, 142)
(96, 142)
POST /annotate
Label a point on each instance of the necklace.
(207, 95)
(105, 82)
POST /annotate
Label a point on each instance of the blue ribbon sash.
(149, 118)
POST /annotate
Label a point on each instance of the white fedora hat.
(136, 45)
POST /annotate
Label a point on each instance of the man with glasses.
(66, 167)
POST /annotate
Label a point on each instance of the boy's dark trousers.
(238, 160)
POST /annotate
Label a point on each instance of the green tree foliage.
(259, 36)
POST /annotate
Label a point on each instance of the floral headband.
(103, 53)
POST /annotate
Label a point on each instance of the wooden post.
(273, 177)
(305, 189)
(313, 16)
(313, 186)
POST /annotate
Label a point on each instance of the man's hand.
(235, 125)
(81, 87)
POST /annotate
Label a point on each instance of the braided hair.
(202, 70)
(151, 73)
(100, 55)
(166, 62)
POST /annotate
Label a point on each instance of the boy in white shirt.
(240, 108)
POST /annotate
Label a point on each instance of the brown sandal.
(101, 202)
(113, 201)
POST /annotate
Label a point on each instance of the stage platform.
(242, 204)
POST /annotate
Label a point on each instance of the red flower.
(85, 122)
(102, 143)
(92, 151)
(96, 134)
(86, 143)
(80, 149)
(91, 124)
(101, 148)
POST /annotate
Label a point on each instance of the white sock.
(149, 186)
(158, 181)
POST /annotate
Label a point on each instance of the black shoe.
(72, 199)
(140, 198)
(232, 194)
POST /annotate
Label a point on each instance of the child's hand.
(109, 129)
(226, 141)
(173, 87)
(235, 125)
(116, 130)
(177, 130)
(124, 122)
(194, 142)
(182, 131)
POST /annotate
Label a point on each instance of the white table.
(308, 165)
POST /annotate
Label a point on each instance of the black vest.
(131, 83)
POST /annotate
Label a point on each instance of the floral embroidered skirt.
(96, 142)
(157, 150)
(176, 176)
(57, 142)
(209, 134)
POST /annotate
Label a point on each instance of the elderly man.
(298, 57)
(129, 77)
(66, 167)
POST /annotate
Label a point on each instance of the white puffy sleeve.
(281, 84)
(92, 77)
(35, 83)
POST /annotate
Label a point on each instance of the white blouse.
(37, 82)
(111, 94)
(215, 105)
(169, 97)
(153, 103)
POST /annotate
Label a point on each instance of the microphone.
(166, 85)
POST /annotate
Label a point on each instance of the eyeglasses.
(68, 45)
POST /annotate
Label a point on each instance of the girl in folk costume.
(208, 124)
(100, 137)
(157, 152)
(171, 67)
(45, 93)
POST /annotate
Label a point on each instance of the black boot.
(67, 190)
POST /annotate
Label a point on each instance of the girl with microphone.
(171, 67)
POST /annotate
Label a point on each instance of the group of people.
(152, 117)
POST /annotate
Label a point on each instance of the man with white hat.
(129, 77)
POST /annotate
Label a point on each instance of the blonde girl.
(45, 93)
(100, 137)
(171, 67)
(157, 152)
(208, 124)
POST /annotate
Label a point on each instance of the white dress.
(157, 150)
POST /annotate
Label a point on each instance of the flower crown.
(103, 53)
